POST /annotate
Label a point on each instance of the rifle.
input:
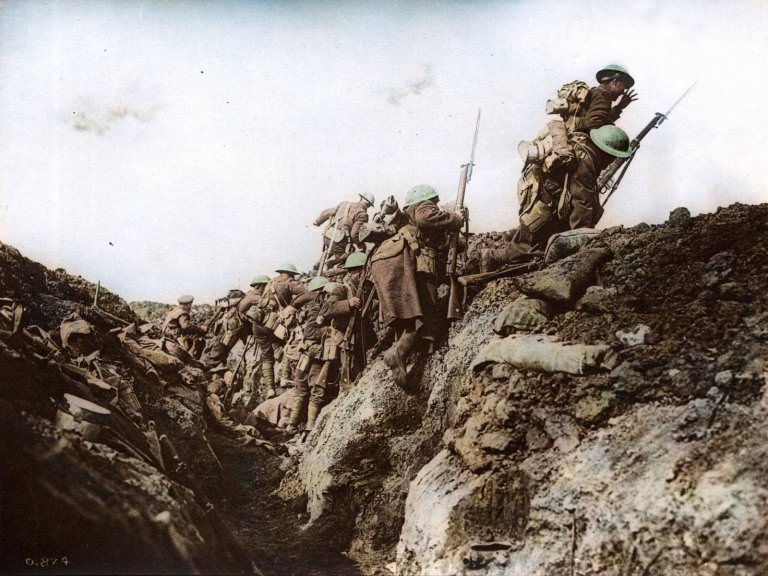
(346, 367)
(231, 389)
(513, 270)
(606, 183)
(454, 302)
(217, 311)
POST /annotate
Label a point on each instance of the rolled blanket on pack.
(543, 354)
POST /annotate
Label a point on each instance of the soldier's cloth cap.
(186, 299)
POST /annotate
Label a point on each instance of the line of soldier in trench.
(377, 282)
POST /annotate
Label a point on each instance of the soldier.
(225, 329)
(279, 314)
(344, 344)
(608, 99)
(566, 199)
(405, 271)
(307, 375)
(343, 229)
(252, 311)
(179, 332)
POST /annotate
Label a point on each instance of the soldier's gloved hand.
(626, 99)
(354, 302)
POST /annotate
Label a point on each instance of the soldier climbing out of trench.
(406, 272)
(558, 189)
(341, 234)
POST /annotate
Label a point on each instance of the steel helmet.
(355, 260)
(316, 283)
(287, 267)
(419, 194)
(612, 69)
(186, 299)
(611, 140)
(368, 197)
(260, 279)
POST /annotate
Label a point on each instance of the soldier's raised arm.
(615, 83)
(325, 215)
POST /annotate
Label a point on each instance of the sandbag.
(524, 314)
(566, 280)
(564, 244)
(543, 353)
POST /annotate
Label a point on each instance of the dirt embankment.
(648, 457)
(650, 462)
(99, 497)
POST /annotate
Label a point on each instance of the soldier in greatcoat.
(406, 272)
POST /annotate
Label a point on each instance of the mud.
(654, 465)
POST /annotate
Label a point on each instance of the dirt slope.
(652, 464)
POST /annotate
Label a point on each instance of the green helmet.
(612, 69)
(419, 194)
(287, 267)
(611, 140)
(186, 299)
(260, 279)
(368, 197)
(316, 283)
(355, 260)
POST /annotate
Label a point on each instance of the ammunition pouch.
(537, 217)
(389, 248)
(281, 332)
(271, 320)
(528, 188)
(335, 235)
(538, 197)
(332, 344)
(426, 261)
(287, 316)
(303, 364)
(310, 350)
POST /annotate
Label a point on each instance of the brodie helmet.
(419, 194)
(613, 69)
(611, 140)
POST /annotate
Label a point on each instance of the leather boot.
(396, 357)
(312, 412)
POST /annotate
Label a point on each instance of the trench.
(269, 529)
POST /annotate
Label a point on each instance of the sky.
(173, 147)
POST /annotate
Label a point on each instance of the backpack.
(571, 103)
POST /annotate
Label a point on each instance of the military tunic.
(599, 110)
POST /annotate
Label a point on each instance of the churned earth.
(649, 458)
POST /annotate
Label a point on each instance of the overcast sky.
(169, 147)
